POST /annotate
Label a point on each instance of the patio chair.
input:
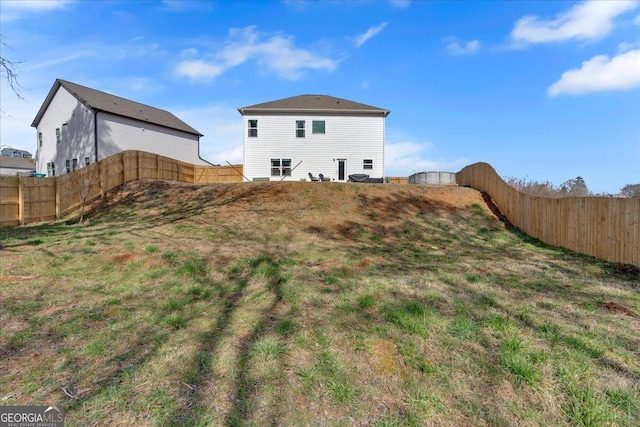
(313, 178)
(323, 179)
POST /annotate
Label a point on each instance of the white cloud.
(56, 61)
(406, 158)
(15, 9)
(600, 74)
(35, 5)
(625, 47)
(468, 48)
(362, 38)
(198, 70)
(637, 20)
(584, 21)
(402, 4)
(277, 53)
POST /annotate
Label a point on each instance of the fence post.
(20, 201)
(57, 190)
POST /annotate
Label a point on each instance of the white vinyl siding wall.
(116, 134)
(76, 137)
(353, 138)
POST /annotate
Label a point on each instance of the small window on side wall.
(87, 161)
(299, 128)
(367, 164)
(67, 165)
(317, 126)
(57, 135)
(253, 128)
(39, 139)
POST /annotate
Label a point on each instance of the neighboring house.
(13, 165)
(293, 137)
(77, 125)
(5, 150)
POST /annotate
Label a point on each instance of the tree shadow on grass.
(193, 409)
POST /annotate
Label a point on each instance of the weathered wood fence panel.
(604, 227)
(9, 201)
(25, 200)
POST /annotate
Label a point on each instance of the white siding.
(75, 122)
(354, 138)
(116, 134)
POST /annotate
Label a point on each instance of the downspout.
(95, 132)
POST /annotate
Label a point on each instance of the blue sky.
(545, 90)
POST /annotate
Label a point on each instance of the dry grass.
(308, 303)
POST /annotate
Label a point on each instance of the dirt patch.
(123, 257)
(614, 307)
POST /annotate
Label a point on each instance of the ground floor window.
(51, 169)
(75, 164)
(367, 164)
(67, 164)
(87, 161)
(280, 167)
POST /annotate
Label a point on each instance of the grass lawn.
(313, 304)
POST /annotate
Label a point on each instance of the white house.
(77, 125)
(16, 165)
(5, 150)
(313, 134)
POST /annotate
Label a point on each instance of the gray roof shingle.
(102, 101)
(314, 104)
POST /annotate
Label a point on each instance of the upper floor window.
(39, 139)
(57, 135)
(253, 128)
(317, 126)
(299, 128)
(367, 164)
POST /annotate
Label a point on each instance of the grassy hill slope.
(312, 303)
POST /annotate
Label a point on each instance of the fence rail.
(604, 227)
(25, 200)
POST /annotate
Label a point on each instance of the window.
(53, 169)
(49, 169)
(367, 164)
(57, 135)
(39, 139)
(253, 128)
(299, 128)
(67, 164)
(87, 161)
(280, 167)
(317, 126)
(75, 164)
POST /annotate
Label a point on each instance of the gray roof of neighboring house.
(319, 104)
(102, 101)
(3, 147)
(17, 163)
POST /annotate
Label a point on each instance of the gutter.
(334, 111)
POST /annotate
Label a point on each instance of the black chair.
(322, 178)
(313, 178)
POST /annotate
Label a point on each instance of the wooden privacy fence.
(604, 227)
(24, 200)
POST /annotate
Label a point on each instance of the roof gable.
(104, 102)
(314, 104)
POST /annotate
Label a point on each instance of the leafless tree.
(8, 71)
(84, 182)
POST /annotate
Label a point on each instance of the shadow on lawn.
(124, 206)
(193, 410)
